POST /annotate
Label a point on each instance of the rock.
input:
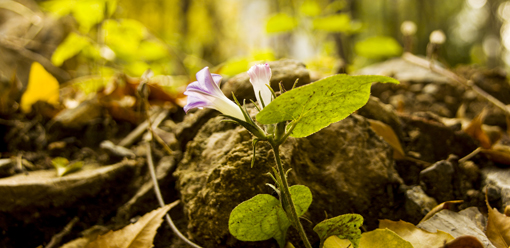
(402, 70)
(438, 180)
(40, 203)
(418, 204)
(431, 140)
(497, 184)
(456, 224)
(285, 71)
(346, 165)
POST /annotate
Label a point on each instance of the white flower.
(260, 76)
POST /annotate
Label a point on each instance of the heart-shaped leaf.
(314, 106)
(262, 217)
(345, 226)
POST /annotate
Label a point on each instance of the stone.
(286, 71)
(403, 70)
(438, 180)
(417, 203)
(497, 184)
(348, 168)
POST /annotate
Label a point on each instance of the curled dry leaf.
(499, 153)
(387, 133)
(444, 205)
(137, 235)
(474, 129)
(418, 237)
(498, 228)
(464, 242)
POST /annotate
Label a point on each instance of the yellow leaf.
(378, 238)
(498, 228)
(137, 235)
(419, 238)
(383, 238)
(387, 133)
(42, 86)
(335, 242)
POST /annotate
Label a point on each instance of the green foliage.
(378, 47)
(86, 12)
(315, 106)
(71, 46)
(333, 23)
(310, 8)
(262, 217)
(280, 23)
(345, 226)
(63, 166)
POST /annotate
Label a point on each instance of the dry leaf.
(464, 242)
(444, 205)
(42, 86)
(474, 129)
(498, 228)
(387, 133)
(419, 238)
(499, 153)
(137, 235)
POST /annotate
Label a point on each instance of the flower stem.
(286, 194)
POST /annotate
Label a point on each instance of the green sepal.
(254, 142)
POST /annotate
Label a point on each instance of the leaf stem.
(286, 195)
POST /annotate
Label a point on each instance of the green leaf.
(302, 198)
(382, 238)
(345, 226)
(280, 23)
(262, 217)
(378, 47)
(310, 8)
(152, 50)
(63, 166)
(71, 46)
(314, 106)
(333, 23)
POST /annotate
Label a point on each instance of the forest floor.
(434, 120)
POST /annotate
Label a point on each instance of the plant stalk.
(287, 196)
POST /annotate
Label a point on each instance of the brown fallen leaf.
(418, 237)
(464, 242)
(498, 153)
(444, 205)
(137, 235)
(387, 133)
(498, 227)
(474, 129)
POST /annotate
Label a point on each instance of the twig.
(469, 156)
(131, 137)
(160, 197)
(467, 83)
(55, 240)
(36, 57)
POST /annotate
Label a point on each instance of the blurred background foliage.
(179, 37)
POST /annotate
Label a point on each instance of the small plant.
(299, 112)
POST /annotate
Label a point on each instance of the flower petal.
(205, 93)
(260, 76)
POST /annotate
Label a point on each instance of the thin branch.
(36, 57)
(150, 163)
(55, 240)
(466, 83)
